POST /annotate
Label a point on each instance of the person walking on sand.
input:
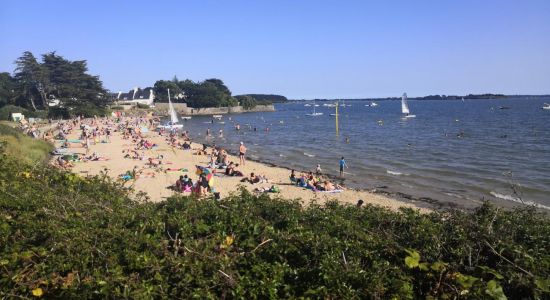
(242, 152)
(342, 165)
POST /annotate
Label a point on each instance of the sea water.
(459, 152)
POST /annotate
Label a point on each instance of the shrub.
(142, 106)
(6, 111)
(87, 110)
(64, 236)
(23, 147)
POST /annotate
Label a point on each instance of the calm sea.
(453, 151)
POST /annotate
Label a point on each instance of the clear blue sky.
(301, 49)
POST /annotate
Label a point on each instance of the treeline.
(52, 86)
(208, 93)
(267, 98)
(454, 97)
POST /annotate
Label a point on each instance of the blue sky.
(300, 49)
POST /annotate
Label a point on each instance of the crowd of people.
(133, 129)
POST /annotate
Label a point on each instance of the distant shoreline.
(432, 98)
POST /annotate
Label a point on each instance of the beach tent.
(17, 117)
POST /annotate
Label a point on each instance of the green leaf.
(495, 290)
(411, 262)
(491, 271)
(413, 259)
(543, 284)
(438, 266)
(466, 281)
(423, 266)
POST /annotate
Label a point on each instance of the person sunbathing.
(233, 171)
(311, 183)
(328, 186)
(252, 179)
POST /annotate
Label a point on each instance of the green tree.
(247, 101)
(30, 79)
(7, 89)
(69, 81)
(161, 90)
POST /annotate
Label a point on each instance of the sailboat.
(314, 114)
(405, 107)
(372, 104)
(174, 122)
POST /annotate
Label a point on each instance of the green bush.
(59, 113)
(22, 147)
(142, 106)
(88, 110)
(7, 110)
(63, 236)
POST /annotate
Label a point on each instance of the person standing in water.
(242, 152)
(342, 165)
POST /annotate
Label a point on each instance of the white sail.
(404, 105)
(173, 115)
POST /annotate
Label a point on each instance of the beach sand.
(157, 188)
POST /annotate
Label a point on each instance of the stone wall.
(182, 109)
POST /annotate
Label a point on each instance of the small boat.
(405, 107)
(174, 122)
(186, 118)
(308, 105)
(314, 114)
(217, 117)
(372, 104)
(546, 106)
(504, 107)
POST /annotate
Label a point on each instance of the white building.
(135, 96)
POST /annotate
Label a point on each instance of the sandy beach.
(157, 186)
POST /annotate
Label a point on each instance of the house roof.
(135, 94)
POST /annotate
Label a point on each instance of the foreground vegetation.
(63, 236)
(25, 148)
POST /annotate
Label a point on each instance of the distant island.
(437, 97)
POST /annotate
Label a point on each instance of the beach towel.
(333, 191)
(177, 170)
(60, 151)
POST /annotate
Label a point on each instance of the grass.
(23, 147)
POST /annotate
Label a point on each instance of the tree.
(7, 89)
(246, 101)
(29, 76)
(161, 90)
(69, 81)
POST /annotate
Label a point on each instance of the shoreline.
(157, 183)
(425, 202)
